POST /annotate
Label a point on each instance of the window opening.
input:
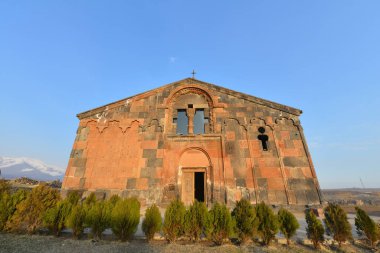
(199, 121)
(182, 122)
(263, 138)
(189, 106)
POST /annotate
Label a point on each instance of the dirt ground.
(10, 243)
(43, 243)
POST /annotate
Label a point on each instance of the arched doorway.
(194, 173)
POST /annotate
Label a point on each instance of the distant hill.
(352, 190)
(353, 196)
(16, 167)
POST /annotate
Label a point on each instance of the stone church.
(193, 140)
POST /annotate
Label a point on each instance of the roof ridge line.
(237, 94)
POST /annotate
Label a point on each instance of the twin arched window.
(190, 109)
(190, 121)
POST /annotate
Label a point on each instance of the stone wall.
(131, 148)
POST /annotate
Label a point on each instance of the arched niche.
(195, 176)
(194, 157)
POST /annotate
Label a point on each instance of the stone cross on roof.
(193, 73)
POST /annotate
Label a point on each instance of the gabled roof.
(210, 86)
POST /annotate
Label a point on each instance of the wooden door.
(188, 187)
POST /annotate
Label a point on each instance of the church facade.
(193, 140)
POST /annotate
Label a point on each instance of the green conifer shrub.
(337, 223)
(8, 203)
(244, 215)
(55, 218)
(195, 220)
(366, 226)
(113, 200)
(73, 197)
(288, 224)
(98, 218)
(110, 204)
(76, 220)
(5, 209)
(267, 223)
(125, 218)
(91, 199)
(314, 230)
(174, 220)
(152, 222)
(5, 187)
(30, 212)
(219, 223)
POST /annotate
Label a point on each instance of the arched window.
(190, 110)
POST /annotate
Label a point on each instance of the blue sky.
(59, 58)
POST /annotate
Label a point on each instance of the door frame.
(193, 170)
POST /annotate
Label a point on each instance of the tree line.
(42, 207)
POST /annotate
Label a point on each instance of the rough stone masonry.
(193, 140)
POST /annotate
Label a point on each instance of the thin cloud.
(172, 59)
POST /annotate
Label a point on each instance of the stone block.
(159, 162)
(76, 153)
(156, 162)
(295, 161)
(148, 172)
(151, 144)
(296, 173)
(152, 182)
(142, 184)
(262, 183)
(312, 196)
(270, 172)
(100, 194)
(82, 182)
(230, 147)
(160, 144)
(149, 136)
(297, 184)
(131, 183)
(263, 195)
(275, 183)
(149, 153)
(281, 197)
(300, 196)
(79, 162)
(79, 171)
(240, 182)
(272, 196)
(82, 136)
(245, 153)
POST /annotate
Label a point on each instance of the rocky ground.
(368, 200)
(46, 243)
(39, 243)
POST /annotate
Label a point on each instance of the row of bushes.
(42, 207)
(27, 211)
(260, 222)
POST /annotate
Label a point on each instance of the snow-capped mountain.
(14, 167)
